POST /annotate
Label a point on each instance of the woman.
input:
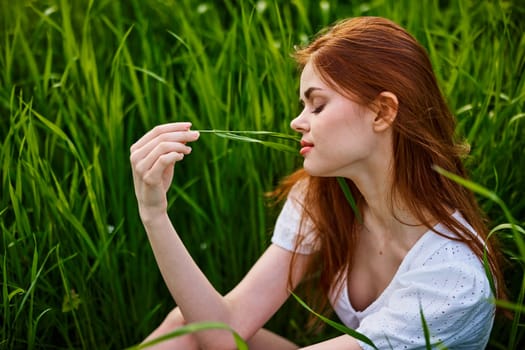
(374, 116)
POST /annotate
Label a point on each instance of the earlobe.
(386, 104)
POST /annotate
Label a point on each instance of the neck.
(385, 213)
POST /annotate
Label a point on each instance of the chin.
(313, 171)
(321, 171)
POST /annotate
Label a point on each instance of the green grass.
(80, 81)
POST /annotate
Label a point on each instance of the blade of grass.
(275, 145)
(350, 198)
(236, 135)
(251, 132)
(336, 325)
(426, 331)
(192, 328)
(490, 195)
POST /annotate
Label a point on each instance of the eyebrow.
(309, 91)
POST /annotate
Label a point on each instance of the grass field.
(81, 80)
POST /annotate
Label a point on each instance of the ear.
(386, 105)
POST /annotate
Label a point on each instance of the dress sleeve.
(288, 229)
(454, 300)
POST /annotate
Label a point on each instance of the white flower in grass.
(50, 10)
(261, 6)
(202, 8)
(364, 8)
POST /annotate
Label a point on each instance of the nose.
(299, 123)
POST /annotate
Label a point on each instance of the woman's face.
(337, 133)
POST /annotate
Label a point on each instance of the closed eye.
(318, 109)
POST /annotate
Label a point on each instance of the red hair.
(362, 57)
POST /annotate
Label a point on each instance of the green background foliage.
(80, 81)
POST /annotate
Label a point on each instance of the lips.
(305, 147)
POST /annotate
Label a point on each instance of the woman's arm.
(172, 321)
(256, 298)
(247, 307)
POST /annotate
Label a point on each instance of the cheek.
(344, 122)
(352, 135)
(357, 120)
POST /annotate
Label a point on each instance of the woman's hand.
(153, 158)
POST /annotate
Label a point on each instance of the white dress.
(441, 277)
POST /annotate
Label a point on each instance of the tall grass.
(80, 81)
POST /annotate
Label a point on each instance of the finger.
(180, 137)
(142, 162)
(161, 129)
(154, 175)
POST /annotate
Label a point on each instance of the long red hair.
(362, 57)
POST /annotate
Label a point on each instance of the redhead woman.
(374, 116)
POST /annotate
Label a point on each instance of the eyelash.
(318, 109)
